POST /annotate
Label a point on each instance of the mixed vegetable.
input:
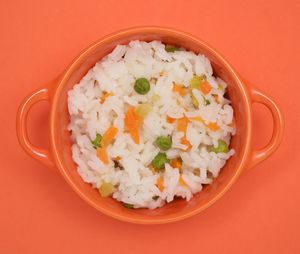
(164, 142)
(159, 161)
(171, 48)
(106, 189)
(97, 141)
(142, 86)
(221, 148)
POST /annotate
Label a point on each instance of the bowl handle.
(257, 156)
(41, 155)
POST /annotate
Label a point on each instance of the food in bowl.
(149, 123)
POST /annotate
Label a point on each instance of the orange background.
(39, 213)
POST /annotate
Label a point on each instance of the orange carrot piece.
(205, 87)
(182, 182)
(216, 98)
(105, 96)
(108, 136)
(185, 142)
(102, 155)
(135, 136)
(213, 126)
(176, 163)
(160, 183)
(182, 124)
(170, 119)
(129, 119)
(132, 124)
(179, 89)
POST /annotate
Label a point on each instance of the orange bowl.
(59, 155)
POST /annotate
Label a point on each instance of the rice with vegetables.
(149, 123)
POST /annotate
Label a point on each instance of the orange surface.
(40, 213)
(243, 96)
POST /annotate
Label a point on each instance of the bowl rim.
(140, 30)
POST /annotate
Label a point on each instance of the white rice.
(116, 73)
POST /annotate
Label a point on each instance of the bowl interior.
(179, 208)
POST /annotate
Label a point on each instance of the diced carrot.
(170, 119)
(213, 126)
(176, 163)
(160, 183)
(129, 120)
(108, 136)
(205, 87)
(132, 124)
(185, 142)
(216, 98)
(197, 118)
(135, 136)
(182, 182)
(179, 89)
(182, 124)
(102, 155)
(105, 96)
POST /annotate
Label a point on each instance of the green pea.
(221, 148)
(196, 81)
(155, 197)
(142, 86)
(106, 189)
(129, 206)
(171, 48)
(97, 141)
(164, 143)
(159, 161)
